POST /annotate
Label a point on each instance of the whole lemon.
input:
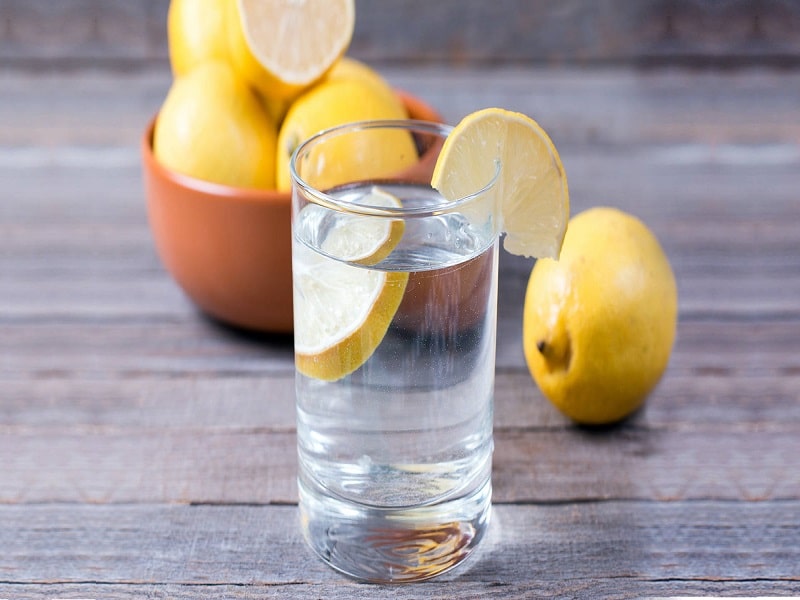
(196, 33)
(212, 126)
(348, 69)
(336, 102)
(599, 323)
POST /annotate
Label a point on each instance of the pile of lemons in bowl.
(253, 79)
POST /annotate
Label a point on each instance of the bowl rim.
(256, 195)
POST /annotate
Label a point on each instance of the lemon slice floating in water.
(531, 196)
(343, 310)
(365, 240)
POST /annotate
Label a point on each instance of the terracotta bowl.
(228, 248)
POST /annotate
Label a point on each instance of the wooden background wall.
(131, 34)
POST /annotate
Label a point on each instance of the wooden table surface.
(148, 452)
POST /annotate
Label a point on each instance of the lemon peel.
(599, 323)
(342, 311)
(283, 46)
(195, 33)
(336, 102)
(212, 126)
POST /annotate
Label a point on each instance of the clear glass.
(394, 467)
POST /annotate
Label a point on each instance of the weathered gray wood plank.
(212, 442)
(102, 465)
(567, 465)
(232, 402)
(718, 288)
(617, 588)
(633, 547)
(124, 33)
(727, 111)
(130, 348)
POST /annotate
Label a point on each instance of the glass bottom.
(383, 545)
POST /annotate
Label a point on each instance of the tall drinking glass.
(395, 295)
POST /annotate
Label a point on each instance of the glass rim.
(327, 200)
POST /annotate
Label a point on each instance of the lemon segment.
(283, 46)
(531, 196)
(342, 311)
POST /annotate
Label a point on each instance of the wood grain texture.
(632, 547)
(147, 451)
(615, 588)
(122, 427)
(688, 117)
(126, 34)
(104, 465)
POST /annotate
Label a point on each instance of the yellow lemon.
(283, 46)
(334, 103)
(211, 126)
(342, 311)
(196, 33)
(348, 69)
(530, 198)
(361, 240)
(599, 323)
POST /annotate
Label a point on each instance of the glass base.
(383, 545)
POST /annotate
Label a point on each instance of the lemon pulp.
(342, 311)
(531, 197)
(283, 46)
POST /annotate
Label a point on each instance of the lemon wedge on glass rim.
(530, 195)
(342, 311)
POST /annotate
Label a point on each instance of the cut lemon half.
(342, 311)
(531, 195)
(283, 46)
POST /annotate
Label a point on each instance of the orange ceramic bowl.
(229, 248)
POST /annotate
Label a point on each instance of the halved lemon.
(342, 311)
(283, 46)
(531, 195)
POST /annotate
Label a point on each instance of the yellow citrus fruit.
(211, 126)
(334, 103)
(364, 240)
(283, 46)
(349, 69)
(196, 33)
(530, 195)
(342, 311)
(599, 323)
